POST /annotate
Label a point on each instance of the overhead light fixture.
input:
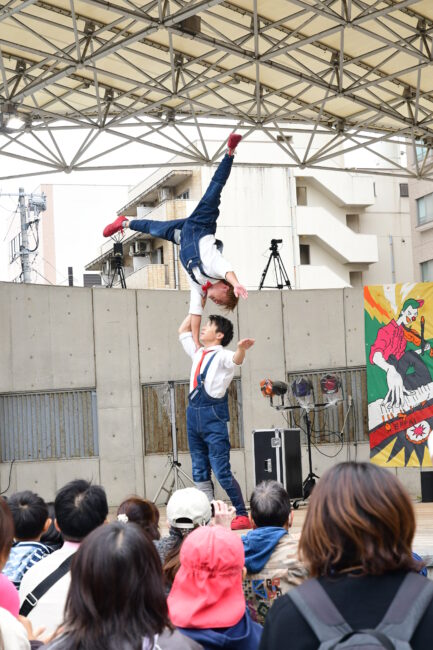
(11, 119)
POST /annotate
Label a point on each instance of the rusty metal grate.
(156, 416)
(39, 426)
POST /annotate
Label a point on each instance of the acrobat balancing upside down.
(210, 274)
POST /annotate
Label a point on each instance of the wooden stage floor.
(423, 543)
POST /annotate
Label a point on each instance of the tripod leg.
(163, 482)
(262, 279)
(283, 273)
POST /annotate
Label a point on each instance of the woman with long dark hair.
(356, 543)
(116, 599)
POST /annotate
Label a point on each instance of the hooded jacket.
(280, 570)
(245, 635)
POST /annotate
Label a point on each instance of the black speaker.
(426, 487)
(277, 456)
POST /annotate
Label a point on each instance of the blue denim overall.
(208, 439)
(202, 222)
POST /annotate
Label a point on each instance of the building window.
(352, 222)
(404, 190)
(427, 271)
(157, 256)
(424, 208)
(301, 195)
(421, 152)
(183, 195)
(304, 253)
(355, 279)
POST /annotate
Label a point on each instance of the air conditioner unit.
(142, 247)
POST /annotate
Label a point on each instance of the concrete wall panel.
(118, 388)
(161, 355)
(353, 304)
(49, 330)
(314, 329)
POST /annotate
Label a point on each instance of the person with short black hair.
(52, 537)
(80, 507)
(115, 567)
(207, 414)
(31, 520)
(271, 554)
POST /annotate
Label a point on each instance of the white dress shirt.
(214, 265)
(221, 370)
(48, 612)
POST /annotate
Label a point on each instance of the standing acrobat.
(207, 413)
(209, 273)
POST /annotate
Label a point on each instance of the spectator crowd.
(74, 580)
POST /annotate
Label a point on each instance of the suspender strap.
(33, 597)
(203, 374)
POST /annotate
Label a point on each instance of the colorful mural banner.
(399, 356)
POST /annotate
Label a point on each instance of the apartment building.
(421, 214)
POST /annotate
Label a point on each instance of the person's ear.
(47, 525)
(219, 336)
(56, 526)
(291, 519)
(253, 523)
(244, 573)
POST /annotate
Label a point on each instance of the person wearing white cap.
(187, 509)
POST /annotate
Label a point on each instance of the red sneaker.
(233, 141)
(114, 227)
(240, 522)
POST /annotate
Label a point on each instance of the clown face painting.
(398, 338)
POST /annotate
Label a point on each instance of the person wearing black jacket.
(356, 542)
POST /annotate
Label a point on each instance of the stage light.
(331, 389)
(302, 390)
(271, 388)
(10, 117)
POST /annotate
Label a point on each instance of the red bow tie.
(206, 286)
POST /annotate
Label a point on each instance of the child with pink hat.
(206, 602)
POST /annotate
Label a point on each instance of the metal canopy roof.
(340, 74)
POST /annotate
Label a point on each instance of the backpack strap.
(319, 611)
(386, 643)
(407, 608)
(33, 597)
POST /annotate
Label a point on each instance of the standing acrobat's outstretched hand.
(246, 344)
(240, 291)
(243, 346)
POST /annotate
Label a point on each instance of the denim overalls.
(202, 221)
(208, 439)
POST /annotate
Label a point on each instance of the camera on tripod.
(274, 244)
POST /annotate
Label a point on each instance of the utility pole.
(27, 203)
(24, 248)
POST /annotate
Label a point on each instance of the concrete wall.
(55, 338)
